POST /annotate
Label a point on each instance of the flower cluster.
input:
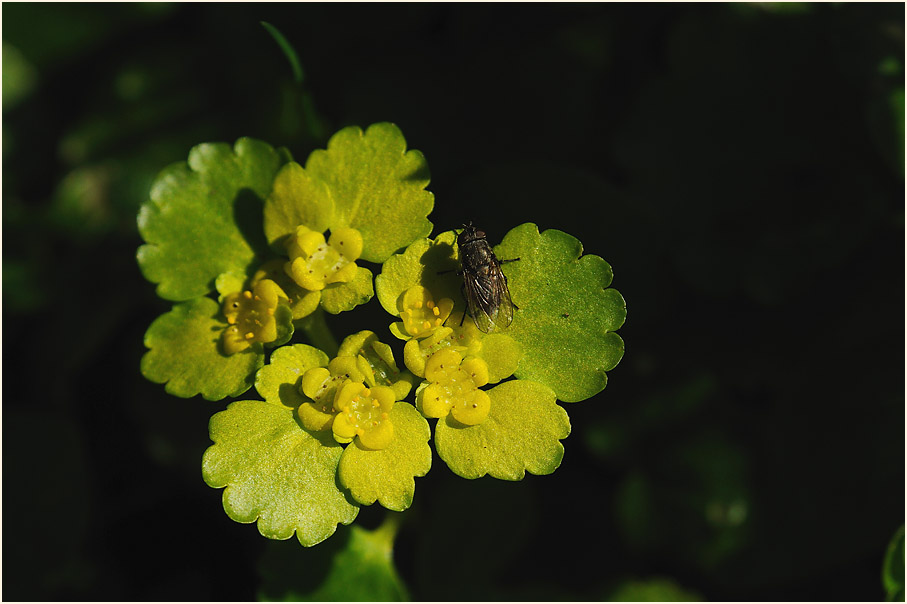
(333, 427)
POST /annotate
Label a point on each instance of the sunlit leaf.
(567, 315)
(204, 217)
(377, 186)
(276, 473)
(521, 433)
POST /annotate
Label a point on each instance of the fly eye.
(480, 233)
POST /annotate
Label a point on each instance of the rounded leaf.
(280, 380)
(521, 433)
(296, 199)
(339, 297)
(378, 187)
(276, 473)
(387, 475)
(185, 353)
(204, 217)
(567, 314)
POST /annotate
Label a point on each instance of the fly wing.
(489, 300)
(504, 315)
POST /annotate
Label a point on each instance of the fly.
(484, 284)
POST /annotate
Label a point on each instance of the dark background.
(740, 166)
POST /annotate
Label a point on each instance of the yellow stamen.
(247, 294)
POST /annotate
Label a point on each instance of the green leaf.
(280, 381)
(204, 217)
(287, 49)
(893, 568)
(426, 262)
(296, 199)
(185, 353)
(339, 297)
(276, 473)
(228, 283)
(355, 566)
(378, 187)
(567, 314)
(387, 475)
(522, 433)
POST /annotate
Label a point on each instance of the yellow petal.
(348, 242)
(269, 292)
(299, 271)
(313, 382)
(345, 394)
(308, 240)
(378, 437)
(433, 401)
(477, 370)
(440, 363)
(343, 428)
(346, 274)
(385, 397)
(473, 411)
(313, 418)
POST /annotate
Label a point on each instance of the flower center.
(364, 414)
(421, 314)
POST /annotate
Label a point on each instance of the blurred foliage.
(893, 568)
(740, 165)
(355, 566)
(652, 590)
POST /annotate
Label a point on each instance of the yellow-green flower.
(322, 385)
(251, 316)
(421, 315)
(315, 263)
(454, 388)
(364, 414)
(465, 339)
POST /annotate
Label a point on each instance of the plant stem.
(387, 532)
(319, 335)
